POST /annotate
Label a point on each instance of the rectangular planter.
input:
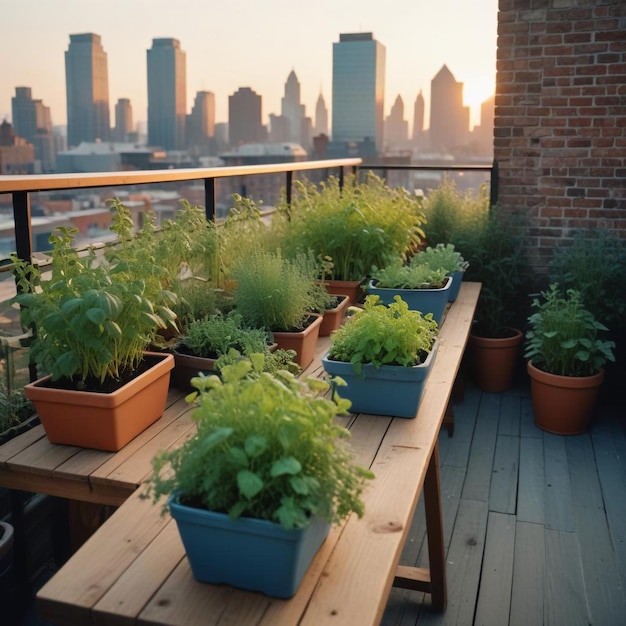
(423, 300)
(104, 421)
(386, 390)
(303, 342)
(332, 318)
(457, 279)
(252, 554)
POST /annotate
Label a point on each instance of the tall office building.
(167, 94)
(396, 127)
(321, 117)
(123, 120)
(32, 121)
(87, 90)
(293, 110)
(449, 119)
(358, 89)
(244, 117)
(200, 129)
(418, 119)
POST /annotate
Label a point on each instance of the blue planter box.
(423, 300)
(387, 390)
(457, 279)
(246, 553)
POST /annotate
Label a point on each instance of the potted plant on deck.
(384, 354)
(277, 294)
(357, 227)
(423, 288)
(93, 319)
(566, 359)
(254, 490)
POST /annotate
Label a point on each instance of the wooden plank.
(527, 595)
(558, 495)
(463, 565)
(68, 597)
(531, 488)
(494, 596)
(565, 591)
(510, 411)
(613, 482)
(604, 589)
(457, 448)
(584, 480)
(20, 443)
(527, 419)
(504, 477)
(478, 479)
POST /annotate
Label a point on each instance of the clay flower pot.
(494, 360)
(332, 318)
(303, 342)
(563, 405)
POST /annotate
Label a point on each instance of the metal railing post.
(23, 229)
(493, 186)
(341, 178)
(288, 185)
(209, 199)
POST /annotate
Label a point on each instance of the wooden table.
(134, 570)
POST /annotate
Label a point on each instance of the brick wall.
(560, 118)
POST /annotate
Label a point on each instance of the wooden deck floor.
(535, 524)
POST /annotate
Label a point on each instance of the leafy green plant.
(595, 265)
(494, 247)
(412, 276)
(273, 292)
(267, 447)
(14, 407)
(564, 338)
(384, 335)
(442, 256)
(216, 335)
(358, 227)
(95, 316)
(273, 362)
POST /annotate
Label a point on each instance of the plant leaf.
(249, 483)
(286, 465)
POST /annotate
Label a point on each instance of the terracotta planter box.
(104, 421)
(332, 318)
(303, 342)
(351, 288)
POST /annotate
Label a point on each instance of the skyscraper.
(201, 120)
(292, 109)
(418, 119)
(396, 127)
(244, 117)
(123, 120)
(32, 122)
(358, 89)
(167, 94)
(87, 90)
(449, 119)
(321, 117)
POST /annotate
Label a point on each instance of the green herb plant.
(564, 337)
(14, 408)
(95, 316)
(215, 335)
(363, 225)
(267, 447)
(412, 276)
(273, 292)
(442, 256)
(384, 335)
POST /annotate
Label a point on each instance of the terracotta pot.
(494, 360)
(104, 421)
(303, 342)
(332, 318)
(563, 405)
(351, 288)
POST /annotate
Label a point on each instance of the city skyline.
(226, 53)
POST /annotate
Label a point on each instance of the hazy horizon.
(251, 44)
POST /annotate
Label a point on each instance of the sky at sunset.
(251, 43)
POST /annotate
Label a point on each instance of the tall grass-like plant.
(364, 225)
(272, 292)
(564, 337)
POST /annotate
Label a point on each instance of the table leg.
(434, 532)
